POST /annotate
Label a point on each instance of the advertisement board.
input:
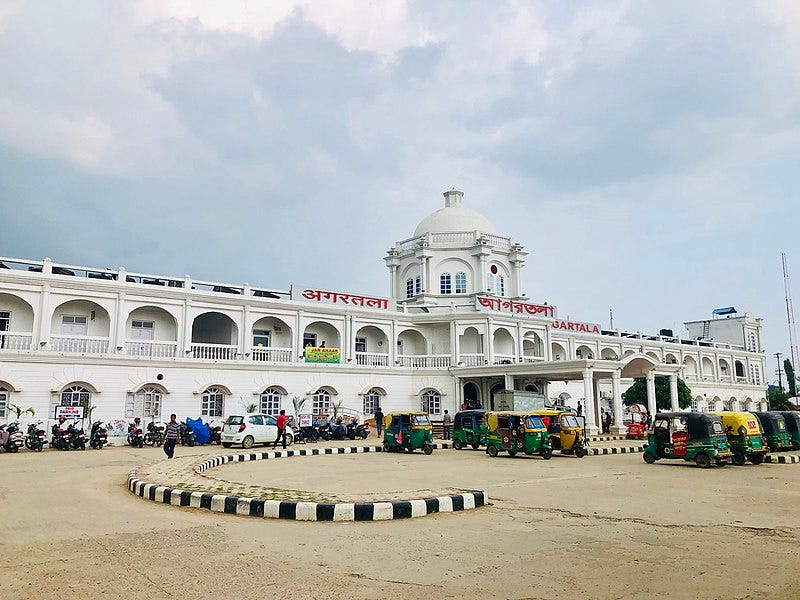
(322, 355)
(306, 420)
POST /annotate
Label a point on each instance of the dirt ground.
(598, 528)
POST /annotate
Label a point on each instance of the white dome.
(453, 217)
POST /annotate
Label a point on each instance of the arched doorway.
(472, 395)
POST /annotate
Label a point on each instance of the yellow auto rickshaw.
(566, 431)
(744, 437)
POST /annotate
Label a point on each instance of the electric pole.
(780, 368)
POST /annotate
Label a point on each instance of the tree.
(298, 404)
(778, 400)
(637, 393)
(790, 378)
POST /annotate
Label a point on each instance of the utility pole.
(780, 368)
(611, 314)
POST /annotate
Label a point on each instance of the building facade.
(456, 327)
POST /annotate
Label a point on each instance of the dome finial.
(453, 198)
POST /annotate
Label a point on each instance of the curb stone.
(302, 511)
(615, 450)
(790, 459)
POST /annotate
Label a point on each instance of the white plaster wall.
(97, 327)
(21, 313)
(278, 340)
(165, 327)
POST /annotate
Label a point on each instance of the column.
(117, 340)
(186, 350)
(651, 392)
(489, 342)
(393, 281)
(673, 392)
(393, 344)
(520, 349)
(454, 351)
(618, 427)
(245, 339)
(508, 381)
(298, 338)
(42, 333)
(348, 346)
(588, 402)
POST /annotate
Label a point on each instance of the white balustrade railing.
(504, 359)
(267, 354)
(532, 359)
(82, 344)
(372, 359)
(11, 340)
(214, 351)
(151, 348)
(421, 361)
(472, 360)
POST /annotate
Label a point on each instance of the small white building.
(454, 329)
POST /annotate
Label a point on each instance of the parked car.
(252, 429)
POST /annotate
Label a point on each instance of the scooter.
(36, 438)
(214, 433)
(154, 435)
(98, 436)
(187, 435)
(135, 437)
(357, 430)
(77, 439)
(60, 439)
(15, 439)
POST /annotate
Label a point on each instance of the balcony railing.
(11, 340)
(504, 359)
(265, 354)
(372, 359)
(472, 360)
(214, 351)
(532, 359)
(80, 344)
(421, 361)
(151, 349)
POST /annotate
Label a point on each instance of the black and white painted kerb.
(615, 450)
(301, 511)
(783, 459)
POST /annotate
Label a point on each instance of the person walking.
(171, 433)
(580, 408)
(281, 423)
(447, 421)
(378, 420)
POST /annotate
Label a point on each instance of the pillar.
(651, 392)
(186, 350)
(673, 392)
(489, 342)
(616, 391)
(588, 402)
(508, 381)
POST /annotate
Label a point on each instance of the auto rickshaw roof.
(689, 416)
(791, 415)
(472, 411)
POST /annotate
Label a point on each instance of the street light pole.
(780, 380)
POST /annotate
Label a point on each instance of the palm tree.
(298, 404)
(18, 410)
(336, 408)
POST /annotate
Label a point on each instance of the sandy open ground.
(602, 527)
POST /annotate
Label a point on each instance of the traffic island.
(185, 482)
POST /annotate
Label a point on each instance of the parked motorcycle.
(214, 433)
(357, 430)
(14, 438)
(154, 435)
(135, 437)
(335, 431)
(60, 439)
(36, 437)
(77, 438)
(187, 435)
(98, 436)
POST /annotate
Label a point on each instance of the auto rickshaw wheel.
(475, 446)
(756, 459)
(427, 449)
(581, 452)
(512, 453)
(649, 457)
(547, 453)
(386, 447)
(702, 461)
(738, 459)
(458, 444)
(795, 445)
(491, 450)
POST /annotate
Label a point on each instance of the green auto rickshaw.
(688, 436)
(515, 432)
(469, 429)
(773, 425)
(792, 418)
(407, 431)
(744, 437)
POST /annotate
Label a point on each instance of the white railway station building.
(454, 328)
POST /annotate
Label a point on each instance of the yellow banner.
(322, 355)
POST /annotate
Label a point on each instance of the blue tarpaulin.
(201, 431)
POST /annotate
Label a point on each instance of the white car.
(252, 429)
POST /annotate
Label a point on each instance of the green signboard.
(322, 355)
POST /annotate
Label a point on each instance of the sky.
(645, 153)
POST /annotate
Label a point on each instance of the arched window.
(213, 402)
(739, 369)
(271, 399)
(461, 283)
(431, 402)
(76, 396)
(322, 402)
(3, 402)
(409, 288)
(372, 400)
(445, 284)
(496, 284)
(751, 342)
(146, 402)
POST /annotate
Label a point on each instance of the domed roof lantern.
(453, 198)
(453, 218)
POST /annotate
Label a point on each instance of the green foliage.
(637, 393)
(778, 400)
(298, 404)
(336, 408)
(790, 378)
(18, 410)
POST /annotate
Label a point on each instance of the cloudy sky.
(645, 153)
